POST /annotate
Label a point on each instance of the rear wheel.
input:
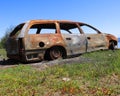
(55, 53)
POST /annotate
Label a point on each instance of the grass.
(3, 53)
(99, 77)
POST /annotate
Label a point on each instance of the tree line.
(4, 38)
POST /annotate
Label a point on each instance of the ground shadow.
(8, 62)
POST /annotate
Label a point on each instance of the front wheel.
(112, 45)
(55, 53)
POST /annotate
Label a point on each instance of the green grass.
(3, 53)
(99, 77)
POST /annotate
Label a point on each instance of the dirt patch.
(44, 64)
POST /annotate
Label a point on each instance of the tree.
(4, 38)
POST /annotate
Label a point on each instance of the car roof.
(65, 24)
(50, 21)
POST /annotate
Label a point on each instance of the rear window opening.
(42, 29)
(16, 30)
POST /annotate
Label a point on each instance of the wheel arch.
(114, 41)
(61, 48)
(112, 44)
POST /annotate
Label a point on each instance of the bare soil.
(43, 64)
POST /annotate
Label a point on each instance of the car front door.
(95, 39)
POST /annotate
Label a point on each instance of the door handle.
(68, 38)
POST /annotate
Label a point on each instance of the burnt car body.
(51, 39)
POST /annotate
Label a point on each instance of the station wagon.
(37, 40)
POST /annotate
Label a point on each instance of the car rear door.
(74, 40)
(75, 44)
(95, 39)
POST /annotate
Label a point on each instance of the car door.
(75, 41)
(95, 39)
(75, 44)
(96, 42)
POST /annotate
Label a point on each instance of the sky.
(102, 14)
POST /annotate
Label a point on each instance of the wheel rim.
(55, 53)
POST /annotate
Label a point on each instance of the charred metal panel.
(76, 44)
(37, 44)
(24, 30)
(96, 42)
(12, 46)
(32, 41)
(56, 39)
(48, 40)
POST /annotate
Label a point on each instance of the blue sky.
(102, 14)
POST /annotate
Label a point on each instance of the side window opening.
(65, 31)
(75, 31)
(49, 28)
(68, 28)
(49, 31)
(89, 30)
(32, 30)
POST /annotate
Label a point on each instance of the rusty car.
(37, 40)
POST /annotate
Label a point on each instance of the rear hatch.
(14, 44)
